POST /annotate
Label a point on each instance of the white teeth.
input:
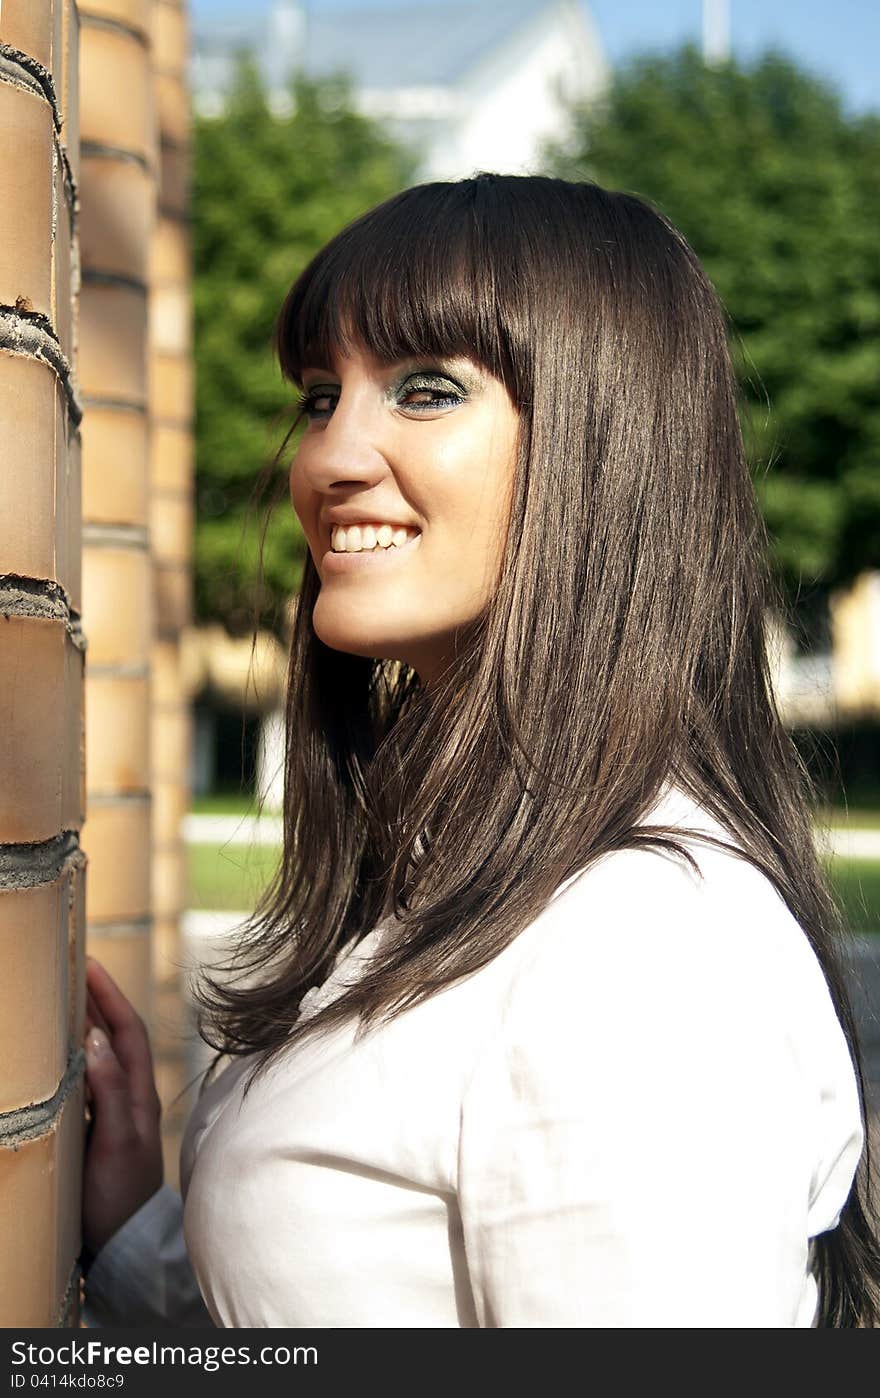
(366, 538)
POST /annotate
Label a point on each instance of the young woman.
(542, 1021)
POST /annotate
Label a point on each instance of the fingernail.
(97, 1043)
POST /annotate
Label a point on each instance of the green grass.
(230, 877)
(857, 885)
(854, 818)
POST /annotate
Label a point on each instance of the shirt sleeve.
(638, 1137)
(142, 1275)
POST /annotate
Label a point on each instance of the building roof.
(383, 47)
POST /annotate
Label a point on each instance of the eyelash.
(306, 401)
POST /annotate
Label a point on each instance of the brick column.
(42, 867)
(171, 529)
(118, 194)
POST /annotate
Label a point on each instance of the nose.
(347, 452)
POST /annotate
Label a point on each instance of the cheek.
(480, 493)
(301, 500)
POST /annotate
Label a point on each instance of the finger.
(128, 1036)
(94, 1014)
(113, 1124)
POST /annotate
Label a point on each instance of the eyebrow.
(468, 367)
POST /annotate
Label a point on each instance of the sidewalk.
(267, 830)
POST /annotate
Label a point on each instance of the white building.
(474, 85)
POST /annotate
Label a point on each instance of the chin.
(346, 634)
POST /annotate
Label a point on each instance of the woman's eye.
(419, 393)
(317, 404)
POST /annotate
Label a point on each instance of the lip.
(381, 559)
(346, 515)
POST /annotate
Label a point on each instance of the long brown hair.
(624, 646)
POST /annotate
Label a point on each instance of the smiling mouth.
(367, 538)
(344, 561)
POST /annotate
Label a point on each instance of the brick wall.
(118, 179)
(171, 529)
(42, 648)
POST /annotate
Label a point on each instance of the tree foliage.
(778, 191)
(268, 191)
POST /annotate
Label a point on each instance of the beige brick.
(170, 880)
(58, 39)
(116, 838)
(172, 388)
(170, 258)
(133, 13)
(166, 673)
(170, 319)
(71, 557)
(115, 484)
(73, 784)
(116, 215)
(171, 527)
(172, 102)
(69, 89)
(40, 1189)
(28, 25)
(67, 547)
(28, 1221)
(170, 38)
(38, 481)
(73, 804)
(112, 343)
(34, 991)
(26, 150)
(69, 1189)
(171, 1014)
(126, 955)
(116, 604)
(76, 952)
(116, 99)
(174, 179)
(172, 466)
(170, 1062)
(118, 714)
(62, 270)
(170, 737)
(171, 801)
(169, 957)
(40, 729)
(72, 1318)
(173, 597)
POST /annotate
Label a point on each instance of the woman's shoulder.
(647, 925)
(648, 885)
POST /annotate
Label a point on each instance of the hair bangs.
(413, 277)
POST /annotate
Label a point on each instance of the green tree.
(778, 191)
(268, 191)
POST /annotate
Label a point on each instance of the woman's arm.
(142, 1274)
(134, 1254)
(640, 1137)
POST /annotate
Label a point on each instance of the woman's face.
(425, 446)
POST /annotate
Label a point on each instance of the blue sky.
(839, 41)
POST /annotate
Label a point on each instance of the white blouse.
(638, 1114)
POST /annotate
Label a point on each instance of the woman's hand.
(123, 1160)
